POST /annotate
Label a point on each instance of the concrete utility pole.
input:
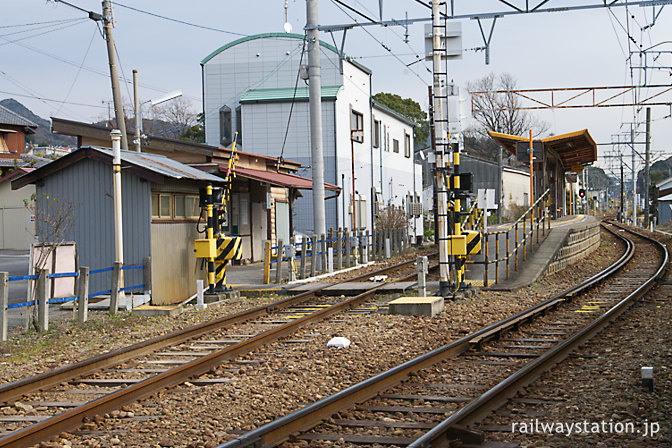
(136, 105)
(315, 102)
(115, 135)
(114, 74)
(647, 169)
(441, 135)
(634, 177)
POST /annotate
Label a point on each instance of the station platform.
(248, 278)
(546, 252)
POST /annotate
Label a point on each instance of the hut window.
(161, 206)
(186, 207)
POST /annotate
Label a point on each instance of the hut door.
(282, 221)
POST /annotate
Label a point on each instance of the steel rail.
(275, 432)
(73, 418)
(14, 390)
(494, 398)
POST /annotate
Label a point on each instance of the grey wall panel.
(87, 185)
(174, 269)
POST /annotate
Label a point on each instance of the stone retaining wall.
(579, 243)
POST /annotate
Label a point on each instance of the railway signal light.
(582, 192)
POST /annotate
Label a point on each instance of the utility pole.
(315, 103)
(634, 177)
(114, 74)
(622, 213)
(647, 169)
(441, 135)
(136, 104)
(432, 137)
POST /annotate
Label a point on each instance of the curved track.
(458, 384)
(142, 369)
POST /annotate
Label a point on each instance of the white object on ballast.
(378, 278)
(339, 342)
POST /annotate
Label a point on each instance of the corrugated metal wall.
(88, 186)
(175, 269)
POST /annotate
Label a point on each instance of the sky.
(60, 68)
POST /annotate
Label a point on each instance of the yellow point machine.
(216, 248)
(461, 243)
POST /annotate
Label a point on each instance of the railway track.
(437, 397)
(68, 396)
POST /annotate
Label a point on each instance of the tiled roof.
(9, 117)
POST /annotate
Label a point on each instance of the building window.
(357, 124)
(175, 206)
(407, 145)
(161, 206)
(239, 125)
(225, 135)
(376, 133)
(186, 207)
(395, 145)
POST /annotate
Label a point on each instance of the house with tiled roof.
(13, 131)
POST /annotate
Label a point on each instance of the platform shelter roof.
(573, 148)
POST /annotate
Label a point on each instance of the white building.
(249, 88)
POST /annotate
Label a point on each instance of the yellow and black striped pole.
(210, 235)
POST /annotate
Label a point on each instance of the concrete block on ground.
(219, 296)
(151, 311)
(416, 306)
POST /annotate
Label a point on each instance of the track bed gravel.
(283, 377)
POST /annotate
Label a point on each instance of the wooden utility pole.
(114, 73)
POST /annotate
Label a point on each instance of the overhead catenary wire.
(380, 43)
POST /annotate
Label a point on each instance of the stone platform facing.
(567, 243)
(579, 243)
(416, 306)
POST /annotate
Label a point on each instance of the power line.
(27, 89)
(74, 81)
(52, 25)
(52, 100)
(37, 23)
(291, 108)
(195, 25)
(69, 25)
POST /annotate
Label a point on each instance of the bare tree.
(391, 218)
(53, 220)
(179, 114)
(500, 111)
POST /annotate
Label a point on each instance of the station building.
(254, 86)
(561, 155)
